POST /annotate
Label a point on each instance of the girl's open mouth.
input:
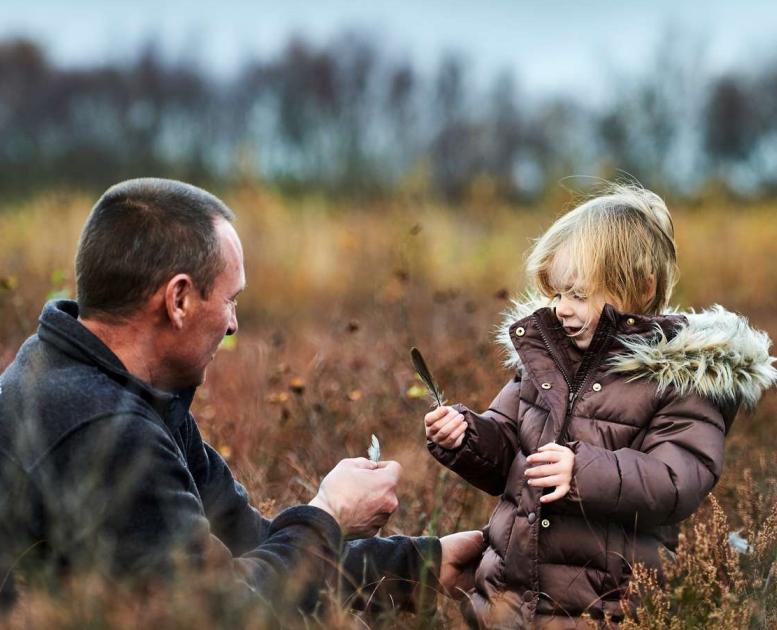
(571, 330)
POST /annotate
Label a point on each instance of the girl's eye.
(579, 297)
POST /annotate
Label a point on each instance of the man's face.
(214, 317)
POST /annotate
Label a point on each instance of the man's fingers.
(550, 446)
(381, 518)
(391, 467)
(361, 462)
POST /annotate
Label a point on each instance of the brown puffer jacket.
(645, 413)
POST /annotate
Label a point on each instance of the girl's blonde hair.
(620, 246)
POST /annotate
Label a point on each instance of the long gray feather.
(426, 376)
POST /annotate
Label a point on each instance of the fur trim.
(715, 353)
(518, 309)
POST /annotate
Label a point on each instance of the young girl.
(611, 431)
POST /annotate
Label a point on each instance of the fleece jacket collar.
(59, 326)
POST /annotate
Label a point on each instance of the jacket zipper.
(573, 391)
(551, 351)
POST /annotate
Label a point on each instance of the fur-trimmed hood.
(714, 353)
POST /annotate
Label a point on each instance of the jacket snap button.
(631, 321)
(532, 517)
(546, 386)
(528, 596)
(519, 332)
(545, 522)
(597, 387)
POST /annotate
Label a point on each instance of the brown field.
(337, 295)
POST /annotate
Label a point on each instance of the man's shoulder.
(46, 393)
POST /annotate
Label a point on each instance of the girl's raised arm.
(490, 442)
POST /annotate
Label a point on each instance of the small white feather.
(373, 452)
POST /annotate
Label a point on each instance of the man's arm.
(124, 482)
(408, 572)
(401, 571)
(227, 505)
(119, 497)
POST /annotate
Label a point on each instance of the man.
(102, 464)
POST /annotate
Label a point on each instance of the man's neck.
(131, 342)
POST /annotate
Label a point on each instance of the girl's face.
(577, 312)
(578, 316)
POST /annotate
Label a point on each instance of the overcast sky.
(550, 45)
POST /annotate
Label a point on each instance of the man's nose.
(232, 328)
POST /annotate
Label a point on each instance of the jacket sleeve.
(678, 462)
(394, 572)
(124, 501)
(375, 573)
(227, 506)
(490, 442)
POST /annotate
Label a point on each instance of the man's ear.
(179, 299)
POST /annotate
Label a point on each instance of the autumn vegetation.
(337, 294)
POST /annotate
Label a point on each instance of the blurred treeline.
(348, 117)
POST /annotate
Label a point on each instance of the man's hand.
(445, 426)
(360, 495)
(552, 466)
(461, 553)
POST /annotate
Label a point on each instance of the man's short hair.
(141, 233)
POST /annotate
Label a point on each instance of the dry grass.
(335, 298)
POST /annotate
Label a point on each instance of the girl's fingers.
(559, 492)
(438, 424)
(451, 425)
(541, 458)
(551, 481)
(458, 428)
(435, 414)
(543, 471)
(455, 438)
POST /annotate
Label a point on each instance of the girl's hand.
(552, 466)
(445, 426)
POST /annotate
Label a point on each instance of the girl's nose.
(564, 307)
